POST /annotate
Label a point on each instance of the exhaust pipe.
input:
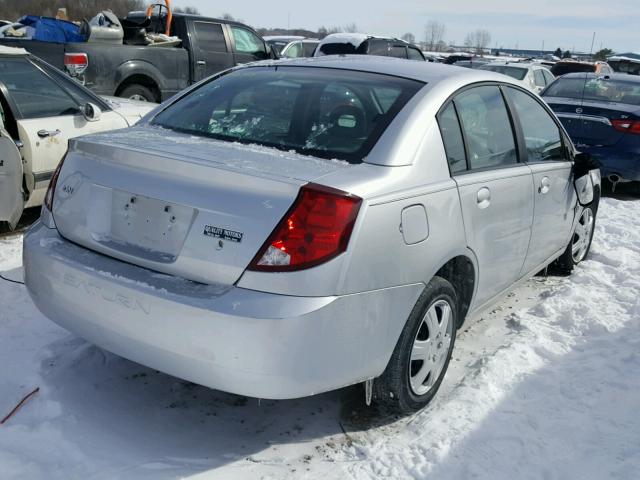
(614, 179)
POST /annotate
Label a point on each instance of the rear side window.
(294, 50)
(326, 113)
(35, 94)
(538, 78)
(415, 54)
(548, 76)
(515, 72)
(541, 133)
(309, 48)
(487, 128)
(210, 36)
(379, 47)
(452, 139)
(596, 89)
(399, 51)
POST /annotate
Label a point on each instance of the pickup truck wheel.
(138, 92)
(580, 243)
(421, 356)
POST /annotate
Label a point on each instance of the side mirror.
(273, 53)
(583, 163)
(91, 112)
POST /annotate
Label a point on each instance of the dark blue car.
(601, 114)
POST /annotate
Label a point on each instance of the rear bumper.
(224, 337)
(625, 165)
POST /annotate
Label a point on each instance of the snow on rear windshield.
(596, 89)
(515, 72)
(327, 113)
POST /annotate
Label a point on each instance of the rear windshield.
(343, 48)
(596, 89)
(327, 113)
(515, 72)
(560, 69)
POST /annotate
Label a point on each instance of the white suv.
(533, 77)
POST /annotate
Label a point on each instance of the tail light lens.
(48, 198)
(76, 63)
(627, 126)
(316, 229)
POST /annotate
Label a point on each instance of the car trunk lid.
(591, 123)
(178, 204)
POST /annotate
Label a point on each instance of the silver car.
(289, 228)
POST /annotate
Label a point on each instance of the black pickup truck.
(154, 73)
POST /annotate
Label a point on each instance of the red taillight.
(76, 63)
(48, 198)
(316, 229)
(627, 126)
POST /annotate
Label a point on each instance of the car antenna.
(584, 87)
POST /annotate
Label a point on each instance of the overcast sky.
(559, 23)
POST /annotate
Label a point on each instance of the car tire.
(403, 387)
(579, 245)
(138, 92)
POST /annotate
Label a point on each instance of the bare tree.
(231, 18)
(187, 10)
(409, 37)
(433, 34)
(350, 28)
(478, 40)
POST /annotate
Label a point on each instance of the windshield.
(596, 89)
(515, 72)
(328, 113)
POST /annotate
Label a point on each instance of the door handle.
(483, 198)
(201, 62)
(48, 133)
(545, 185)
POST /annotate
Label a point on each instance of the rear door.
(211, 51)
(548, 158)
(496, 190)
(47, 115)
(11, 199)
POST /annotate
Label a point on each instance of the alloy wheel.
(430, 347)
(582, 236)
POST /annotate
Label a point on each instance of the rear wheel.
(137, 92)
(421, 356)
(580, 243)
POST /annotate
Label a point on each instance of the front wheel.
(580, 243)
(421, 356)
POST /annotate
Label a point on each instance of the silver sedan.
(288, 228)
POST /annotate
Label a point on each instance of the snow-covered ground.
(546, 385)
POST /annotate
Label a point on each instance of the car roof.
(426, 72)
(13, 51)
(614, 76)
(511, 64)
(358, 37)
(282, 38)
